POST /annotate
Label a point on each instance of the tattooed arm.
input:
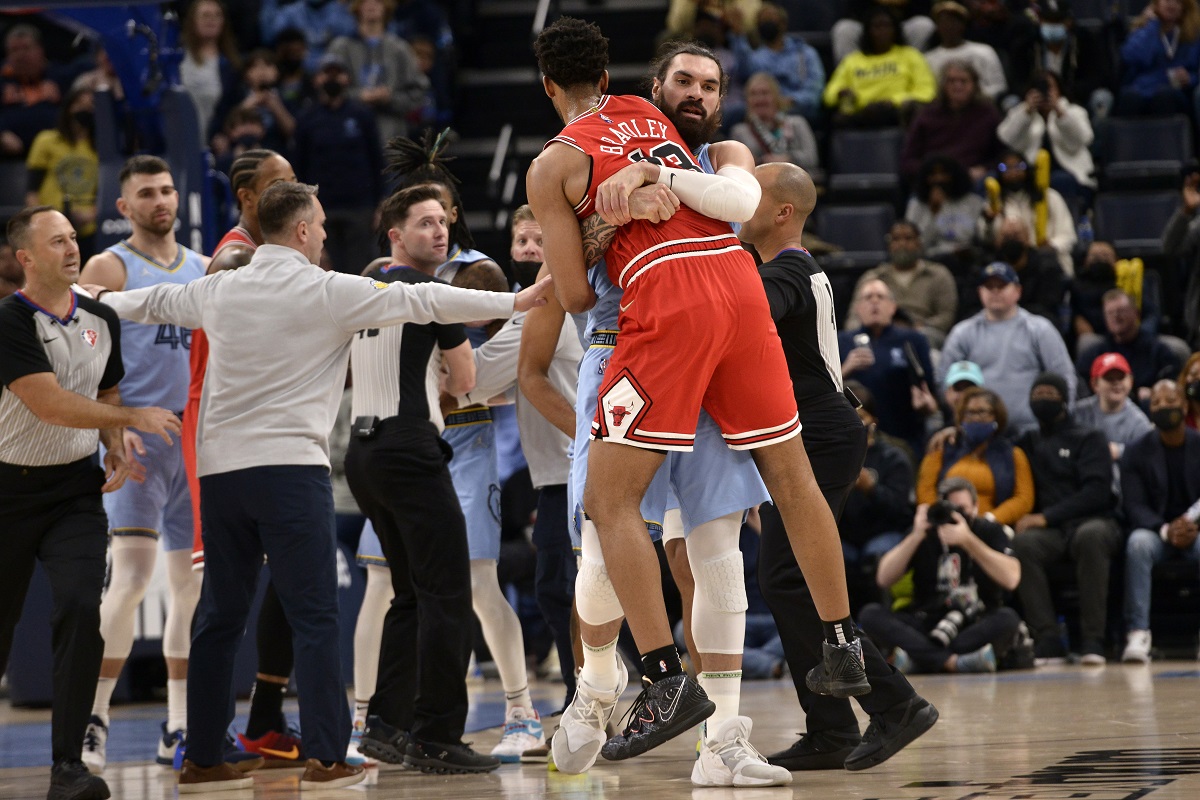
(654, 203)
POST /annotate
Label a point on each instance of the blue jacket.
(1144, 478)
(889, 380)
(797, 67)
(1145, 61)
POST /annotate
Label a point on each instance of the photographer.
(961, 567)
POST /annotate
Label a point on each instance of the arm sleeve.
(114, 370)
(924, 87)
(166, 303)
(945, 296)
(927, 476)
(1178, 236)
(838, 81)
(1093, 494)
(1021, 502)
(1135, 495)
(411, 84)
(808, 96)
(890, 502)
(784, 294)
(355, 303)
(732, 195)
(1013, 130)
(39, 155)
(1075, 131)
(1054, 355)
(496, 361)
(804, 144)
(21, 353)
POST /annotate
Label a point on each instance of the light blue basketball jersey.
(458, 257)
(707, 483)
(155, 356)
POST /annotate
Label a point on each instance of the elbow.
(460, 385)
(1013, 579)
(577, 302)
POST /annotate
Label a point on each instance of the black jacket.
(1072, 474)
(887, 507)
(1144, 478)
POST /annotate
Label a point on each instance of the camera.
(941, 512)
(965, 608)
(1042, 85)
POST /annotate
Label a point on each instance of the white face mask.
(1054, 32)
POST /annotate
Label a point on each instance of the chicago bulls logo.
(619, 413)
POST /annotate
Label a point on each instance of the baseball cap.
(964, 371)
(1108, 362)
(1001, 270)
(334, 60)
(950, 7)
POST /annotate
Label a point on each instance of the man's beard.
(161, 228)
(695, 132)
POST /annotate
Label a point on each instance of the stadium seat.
(865, 163)
(859, 230)
(1145, 152)
(12, 188)
(1134, 221)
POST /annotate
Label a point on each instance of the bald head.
(788, 183)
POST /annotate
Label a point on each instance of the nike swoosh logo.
(51, 339)
(669, 712)
(292, 754)
(625, 307)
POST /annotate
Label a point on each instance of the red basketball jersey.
(618, 131)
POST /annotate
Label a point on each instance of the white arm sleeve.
(165, 303)
(731, 195)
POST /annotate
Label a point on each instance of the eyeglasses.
(1020, 165)
(978, 413)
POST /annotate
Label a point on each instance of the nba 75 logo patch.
(89, 336)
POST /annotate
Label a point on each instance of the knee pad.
(595, 598)
(185, 594)
(719, 606)
(672, 525)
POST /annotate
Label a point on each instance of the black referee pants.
(401, 480)
(54, 515)
(836, 443)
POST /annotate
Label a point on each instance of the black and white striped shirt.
(395, 368)
(82, 349)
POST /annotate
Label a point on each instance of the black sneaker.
(660, 713)
(445, 759)
(383, 742)
(842, 671)
(892, 731)
(820, 750)
(1049, 650)
(70, 780)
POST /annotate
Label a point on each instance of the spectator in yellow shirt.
(63, 166)
(882, 83)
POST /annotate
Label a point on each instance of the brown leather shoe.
(221, 778)
(318, 776)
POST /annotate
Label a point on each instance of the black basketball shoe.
(661, 712)
(842, 671)
(383, 742)
(441, 758)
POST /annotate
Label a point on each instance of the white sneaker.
(1137, 647)
(730, 760)
(581, 731)
(95, 745)
(168, 743)
(353, 756)
(522, 731)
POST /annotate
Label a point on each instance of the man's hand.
(957, 533)
(938, 441)
(866, 480)
(116, 471)
(134, 447)
(921, 518)
(612, 196)
(923, 400)
(157, 421)
(1191, 193)
(535, 295)
(1114, 450)
(93, 289)
(655, 203)
(859, 358)
(1030, 521)
(1181, 533)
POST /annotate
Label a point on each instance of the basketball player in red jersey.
(694, 331)
(266, 732)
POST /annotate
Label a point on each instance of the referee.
(60, 362)
(801, 301)
(397, 467)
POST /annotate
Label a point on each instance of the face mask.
(1054, 32)
(905, 258)
(768, 31)
(976, 433)
(1011, 250)
(333, 88)
(1098, 271)
(1192, 390)
(1046, 411)
(247, 142)
(1167, 419)
(86, 119)
(525, 272)
(289, 65)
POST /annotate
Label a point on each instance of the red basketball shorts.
(696, 333)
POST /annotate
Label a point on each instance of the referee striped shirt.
(82, 349)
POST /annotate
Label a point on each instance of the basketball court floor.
(1120, 732)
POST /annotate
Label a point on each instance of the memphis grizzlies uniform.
(474, 468)
(707, 483)
(156, 374)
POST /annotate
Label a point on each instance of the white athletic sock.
(519, 698)
(600, 666)
(724, 689)
(177, 704)
(104, 693)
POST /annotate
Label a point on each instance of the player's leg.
(368, 631)
(675, 546)
(554, 582)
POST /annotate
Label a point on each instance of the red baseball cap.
(1108, 362)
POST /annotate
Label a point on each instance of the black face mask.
(247, 142)
(1192, 391)
(525, 272)
(333, 88)
(1167, 419)
(1047, 411)
(85, 119)
(289, 65)
(768, 31)
(1099, 272)
(1011, 250)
